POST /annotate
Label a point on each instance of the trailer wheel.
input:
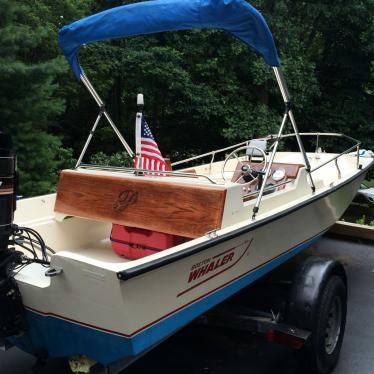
(322, 354)
(317, 302)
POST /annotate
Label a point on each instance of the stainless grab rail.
(212, 153)
(139, 172)
(215, 152)
(334, 158)
(268, 137)
(318, 135)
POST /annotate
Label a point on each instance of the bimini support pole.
(88, 141)
(268, 168)
(287, 101)
(287, 114)
(104, 112)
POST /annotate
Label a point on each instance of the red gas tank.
(134, 243)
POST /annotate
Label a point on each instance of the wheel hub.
(333, 325)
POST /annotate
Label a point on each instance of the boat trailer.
(290, 314)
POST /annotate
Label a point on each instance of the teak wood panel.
(180, 209)
(291, 170)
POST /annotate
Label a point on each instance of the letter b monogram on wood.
(125, 199)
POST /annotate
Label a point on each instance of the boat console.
(280, 173)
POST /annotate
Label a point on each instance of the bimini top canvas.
(234, 16)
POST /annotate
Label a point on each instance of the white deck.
(88, 241)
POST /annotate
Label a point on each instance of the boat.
(228, 221)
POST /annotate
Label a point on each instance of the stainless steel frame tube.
(100, 103)
(88, 141)
(268, 168)
(287, 100)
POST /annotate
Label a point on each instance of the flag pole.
(138, 132)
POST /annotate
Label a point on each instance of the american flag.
(148, 156)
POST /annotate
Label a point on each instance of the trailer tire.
(322, 353)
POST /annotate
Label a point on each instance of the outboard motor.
(7, 189)
(12, 320)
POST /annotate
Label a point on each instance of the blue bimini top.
(234, 16)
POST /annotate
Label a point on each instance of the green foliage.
(211, 84)
(361, 221)
(27, 101)
(116, 159)
(203, 89)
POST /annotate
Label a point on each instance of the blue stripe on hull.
(62, 338)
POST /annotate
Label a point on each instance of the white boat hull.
(88, 310)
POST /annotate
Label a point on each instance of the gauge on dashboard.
(279, 174)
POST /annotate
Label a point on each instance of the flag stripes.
(148, 156)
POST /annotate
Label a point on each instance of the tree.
(27, 102)
(203, 88)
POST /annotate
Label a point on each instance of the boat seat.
(167, 205)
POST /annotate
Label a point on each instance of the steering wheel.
(246, 171)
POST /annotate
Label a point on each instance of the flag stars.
(147, 132)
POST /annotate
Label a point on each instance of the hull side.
(148, 308)
(63, 337)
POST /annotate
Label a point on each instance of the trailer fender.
(308, 283)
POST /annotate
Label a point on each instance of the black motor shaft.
(7, 189)
(12, 320)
